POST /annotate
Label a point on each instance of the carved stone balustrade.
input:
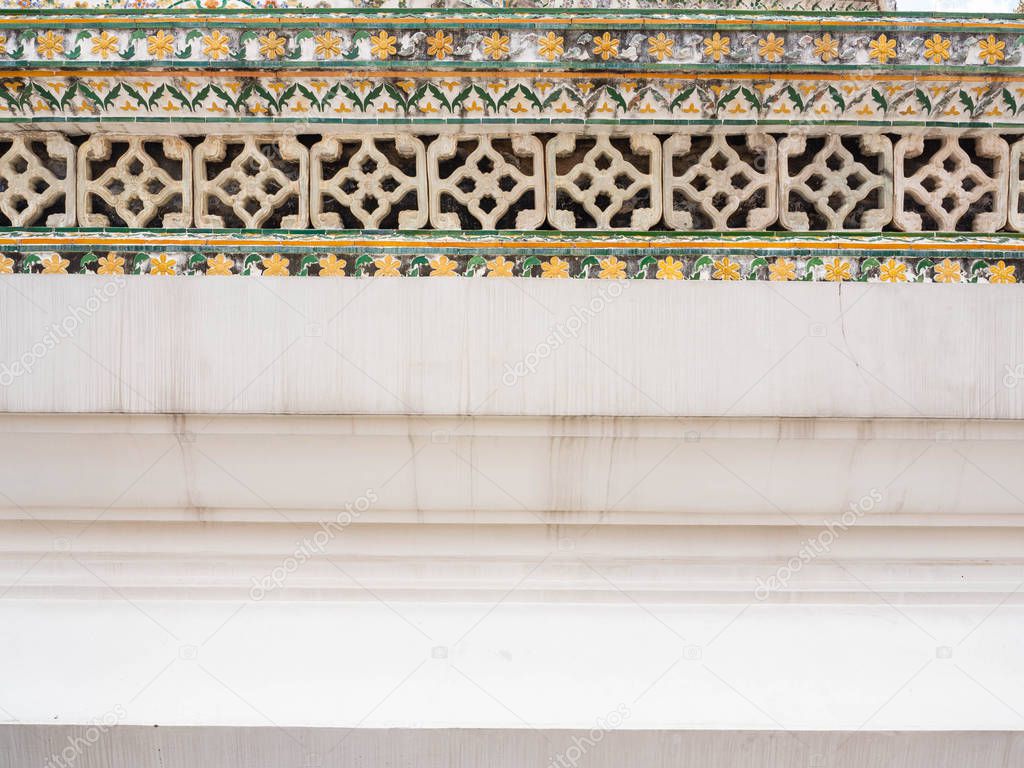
(682, 181)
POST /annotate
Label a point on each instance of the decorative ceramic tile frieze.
(453, 5)
(519, 138)
(448, 38)
(508, 98)
(827, 258)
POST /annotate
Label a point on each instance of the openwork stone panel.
(37, 180)
(604, 182)
(720, 181)
(504, 181)
(251, 182)
(134, 181)
(487, 182)
(1015, 202)
(368, 183)
(951, 183)
(835, 182)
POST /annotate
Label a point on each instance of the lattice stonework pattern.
(720, 181)
(37, 180)
(486, 182)
(950, 183)
(1015, 203)
(251, 182)
(604, 182)
(134, 181)
(835, 182)
(369, 183)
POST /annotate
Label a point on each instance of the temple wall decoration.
(124, 130)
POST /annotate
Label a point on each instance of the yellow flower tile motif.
(936, 48)
(104, 45)
(219, 265)
(160, 45)
(612, 268)
(162, 264)
(55, 265)
(111, 264)
(442, 266)
(496, 46)
(882, 48)
(716, 46)
(660, 47)
(332, 266)
(387, 266)
(49, 44)
(726, 269)
(327, 45)
(275, 265)
(826, 48)
(272, 45)
(215, 45)
(781, 270)
(551, 46)
(382, 45)
(992, 50)
(6, 265)
(948, 272)
(440, 45)
(555, 267)
(893, 272)
(771, 48)
(837, 270)
(669, 269)
(499, 267)
(1001, 273)
(606, 46)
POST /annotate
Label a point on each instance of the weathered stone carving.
(825, 185)
(721, 181)
(1015, 203)
(479, 177)
(261, 182)
(369, 182)
(135, 181)
(37, 180)
(603, 182)
(941, 185)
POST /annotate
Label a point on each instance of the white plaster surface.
(509, 665)
(437, 346)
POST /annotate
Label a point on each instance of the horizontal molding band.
(729, 256)
(414, 94)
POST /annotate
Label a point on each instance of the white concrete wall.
(286, 345)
